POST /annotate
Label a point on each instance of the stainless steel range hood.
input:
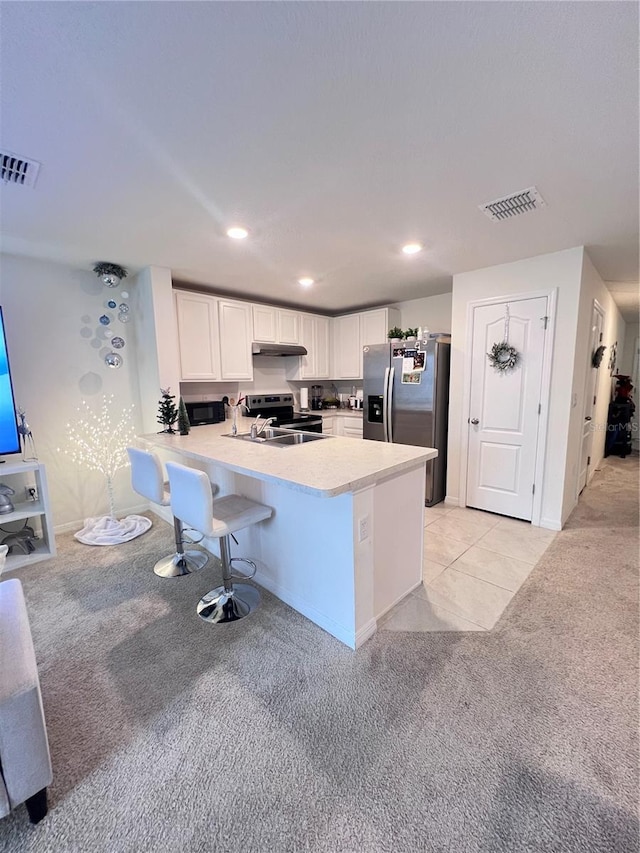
(277, 349)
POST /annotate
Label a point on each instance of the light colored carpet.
(170, 735)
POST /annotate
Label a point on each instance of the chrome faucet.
(258, 428)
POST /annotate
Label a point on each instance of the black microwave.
(205, 412)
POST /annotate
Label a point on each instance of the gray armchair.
(25, 765)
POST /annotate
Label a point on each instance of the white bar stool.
(147, 480)
(191, 501)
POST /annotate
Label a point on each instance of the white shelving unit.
(36, 513)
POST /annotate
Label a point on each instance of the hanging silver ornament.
(112, 359)
(124, 318)
(123, 308)
(117, 342)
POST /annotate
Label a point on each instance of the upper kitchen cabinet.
(236, 332)
(314, 335)
(275, 325)
(198, 337)
(214, 338)
(352, 332)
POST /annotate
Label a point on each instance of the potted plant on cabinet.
(411, 334)
(396, 334)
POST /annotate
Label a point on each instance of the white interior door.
(597, 325)
(505, 407)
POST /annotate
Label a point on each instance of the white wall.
(561, 270)
(632, 332)
(431, 312)
(592, 287)
(48, 308)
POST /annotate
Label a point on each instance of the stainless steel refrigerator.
(406, 400)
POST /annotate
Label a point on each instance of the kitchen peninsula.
(345, 541)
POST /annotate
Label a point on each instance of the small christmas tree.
(184, 427)
(167, 412)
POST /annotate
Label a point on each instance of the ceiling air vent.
(514, 204)
(18, 170)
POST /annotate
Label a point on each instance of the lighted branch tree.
(98, 443)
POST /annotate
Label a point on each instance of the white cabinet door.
(264, 323)
(352, 428)
(314, 335)
(347, 349)
(197, 316)
(288, 327)
(373, 327)
(329, 426)
(236, 329)
(321, 347)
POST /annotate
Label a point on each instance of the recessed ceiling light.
(305, 282)
(237, 233)
(412, 248)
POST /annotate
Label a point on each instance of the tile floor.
(474, 563)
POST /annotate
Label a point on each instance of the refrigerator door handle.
(385, 396)
(390, 404)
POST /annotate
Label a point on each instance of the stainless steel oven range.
(280, 408)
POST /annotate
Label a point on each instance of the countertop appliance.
(280, 407)
(205, 412)
(316, 397)
(406, 401)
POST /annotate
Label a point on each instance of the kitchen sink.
(280, 437)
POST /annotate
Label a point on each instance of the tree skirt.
(106, 530)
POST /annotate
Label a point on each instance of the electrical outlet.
(31, 493)
(363, 528)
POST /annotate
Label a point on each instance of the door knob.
(588, 418)
(475, 421)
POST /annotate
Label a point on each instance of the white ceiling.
(335, 132)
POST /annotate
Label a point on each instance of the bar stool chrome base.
(221, 605)
(181, 564)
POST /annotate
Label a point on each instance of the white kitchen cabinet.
(236, 332)
(288, 326)
(354, 331)
(198, 336)
(264, 323)
(275, 325)
(351, 427)
(314, 336)
(329, 425)
(346, 347)
(21, 476)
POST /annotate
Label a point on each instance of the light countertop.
(343, 413)
(328, 467)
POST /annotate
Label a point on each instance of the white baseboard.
(329, 625)
(550, 524)
(78, 524)
(398, 600)
(365, 632)
(452, 501)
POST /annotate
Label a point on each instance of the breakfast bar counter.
(345, 541)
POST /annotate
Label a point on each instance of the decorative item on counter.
(503, 356)
(167, 412)
(184, 427)
(110, 274)
(330, 402)
(411, 334)
(100, 445)
(395, 334)
(596, 358)
(6, 504)
(28, 444)
(235, 408)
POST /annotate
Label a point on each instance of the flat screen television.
(9, 437)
